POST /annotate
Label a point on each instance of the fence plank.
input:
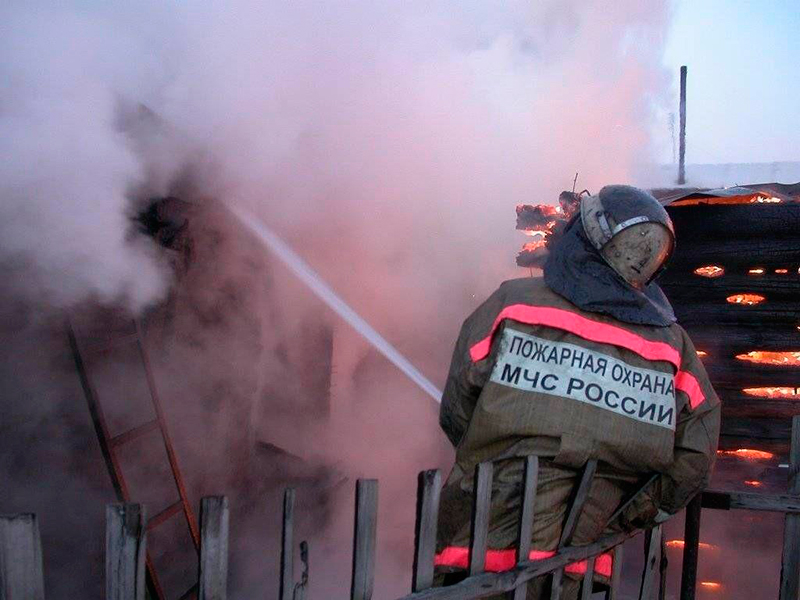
(613, 591)
(651, 563)
(662, 569)
(588, 580)
(366, 522)
(286, 590)
(301, 588)
(481, 504)
(691, 548)
(429, 487)
(578, 503)
(486, 584)
(527, 514)
(571, 524)
(213, 548)
(126, 541)
(556, 584)
(790, 561)
(21, 576)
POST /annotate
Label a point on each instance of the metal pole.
(682, 151)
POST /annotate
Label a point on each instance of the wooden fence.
(126, 537)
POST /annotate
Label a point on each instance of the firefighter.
(584, 363)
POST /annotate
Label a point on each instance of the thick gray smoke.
(387, 142)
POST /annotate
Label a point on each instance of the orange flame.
(772, 358)
(758, 271)
(747, 453)
(791, 393)
(753, 483)
(781, 271)
(701, 353)
(748, 299)
(710, 271)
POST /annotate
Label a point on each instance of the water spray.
(310, 277)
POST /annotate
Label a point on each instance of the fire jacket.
(533, 374)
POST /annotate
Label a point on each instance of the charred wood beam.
(776, 314)
(748, 407)
(742, 338)
(692, 289)
(738, 256)
(758, 429)
(705, 222)
(739, 374)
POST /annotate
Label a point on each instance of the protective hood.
(576, 271)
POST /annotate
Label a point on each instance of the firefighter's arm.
(696, 439)
(460, 392)
(466, 378)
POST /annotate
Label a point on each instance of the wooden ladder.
(82, 351)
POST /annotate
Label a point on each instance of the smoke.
(388, 143)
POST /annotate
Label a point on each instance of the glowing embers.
(747, 454)
(781, 271)
(782, 359)
(711, 585)
(756, 271)
(753, 483)
(788, 393)
(701, 353)
(746, 299)
(681, 544)
(710, 271)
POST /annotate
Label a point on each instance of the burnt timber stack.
(758, 246)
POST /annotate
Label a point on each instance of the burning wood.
(789, 359)
(746, 299)
(791, 393)
(710, 271)
(747, 454)
(537, 217)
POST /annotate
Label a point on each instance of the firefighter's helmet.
(630, 230)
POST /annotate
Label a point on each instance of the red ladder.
(82, 350)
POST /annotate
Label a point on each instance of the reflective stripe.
(587, 329)
(688, 384)
(505, 560)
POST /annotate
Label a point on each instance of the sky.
(743, 81)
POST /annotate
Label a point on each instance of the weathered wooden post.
(682, 150)
(481, 503)
(21, 575)
(790, 561)
(652, 563)
(213, 548)
(527, 514)
(286, 591)
(613, 592)
(429, 487)
(691, 548)
(366, 525)
(126, 540)
(571, 524)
